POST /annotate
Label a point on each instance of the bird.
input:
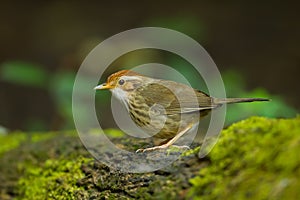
(165, 108)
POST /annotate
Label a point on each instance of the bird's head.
(122, 83)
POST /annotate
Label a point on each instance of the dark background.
(49, 40)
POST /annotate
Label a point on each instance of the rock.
(257, 158)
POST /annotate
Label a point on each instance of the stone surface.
(257, 158)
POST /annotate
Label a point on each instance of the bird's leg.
(169, 143)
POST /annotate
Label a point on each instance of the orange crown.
(118, 74)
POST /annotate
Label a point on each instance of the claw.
(152, 148)
(161, 147)
(140, 151)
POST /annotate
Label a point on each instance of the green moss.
(114, 133)
(36, 137)
(55, 179)
(191, 151)
(14, 139)
(11, 141)
(31, 153)
(257, 158)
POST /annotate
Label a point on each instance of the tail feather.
(237, 100)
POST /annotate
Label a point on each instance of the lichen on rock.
(56, 179)
(257, 158)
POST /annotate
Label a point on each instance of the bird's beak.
(103, 86)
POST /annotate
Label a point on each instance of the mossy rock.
(257, 158)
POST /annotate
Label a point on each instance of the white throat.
(121, 95)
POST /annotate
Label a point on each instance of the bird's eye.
(121, 81)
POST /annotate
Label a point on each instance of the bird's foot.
(164, 146)
(151, 149)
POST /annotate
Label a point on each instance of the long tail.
(237, 100)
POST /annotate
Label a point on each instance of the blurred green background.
(255, 46)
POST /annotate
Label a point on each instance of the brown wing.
(175, 97)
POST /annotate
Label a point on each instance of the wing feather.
(176, 98)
